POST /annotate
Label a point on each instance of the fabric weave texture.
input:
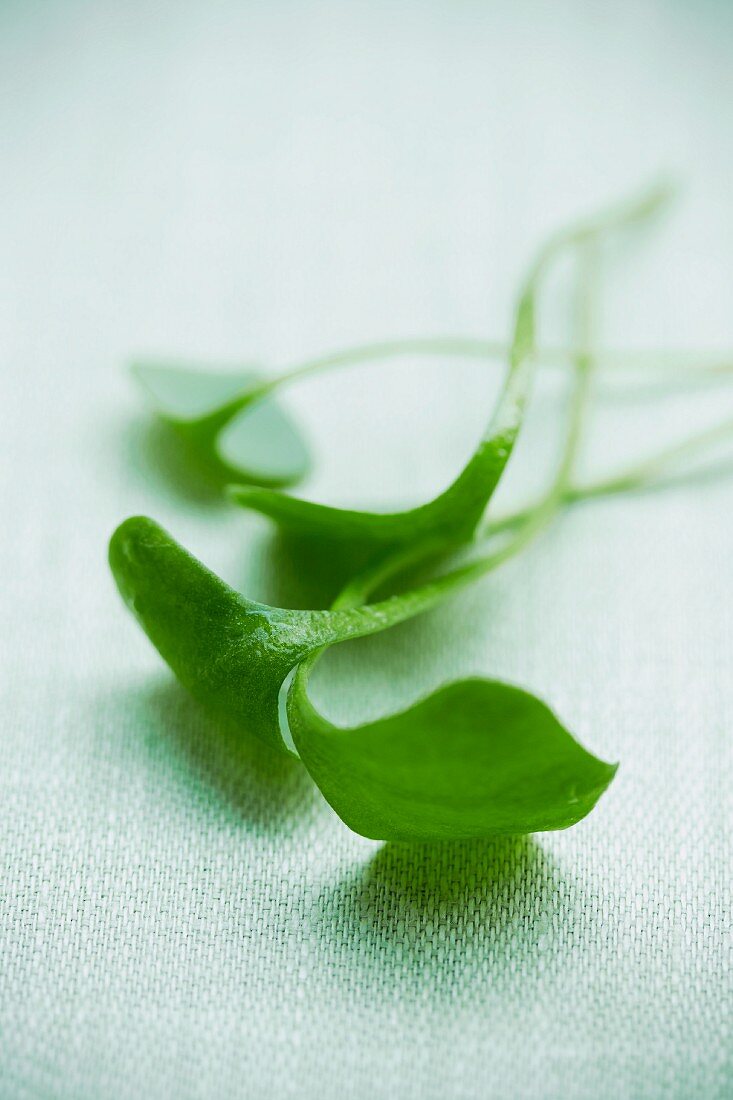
(181, 915)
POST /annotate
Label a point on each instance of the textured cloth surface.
(180, 916)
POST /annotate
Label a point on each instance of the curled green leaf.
(476, 758)
(231, 653)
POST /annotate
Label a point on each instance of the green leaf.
(230, 422)
(476, 758)
(231, 653)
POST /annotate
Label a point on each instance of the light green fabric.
(180, 916)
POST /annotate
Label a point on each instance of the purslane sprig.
(475, 758)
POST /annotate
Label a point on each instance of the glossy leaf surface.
(476, 758)
(233, 654)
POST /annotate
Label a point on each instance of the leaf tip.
(129, 539)
(132, 529)
(606, 773)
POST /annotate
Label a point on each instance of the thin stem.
(665, 360)
(588, 297)
(685, 364)
(531, 520)
(522, 351)
(638, 476)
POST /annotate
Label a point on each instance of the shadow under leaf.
(308, 572)
(157, 453)
(441, 917)
(305, 572)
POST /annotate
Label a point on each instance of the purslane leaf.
(476, 758)
(231, 653)
(231, 422)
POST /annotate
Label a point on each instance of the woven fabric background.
(180, 916)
